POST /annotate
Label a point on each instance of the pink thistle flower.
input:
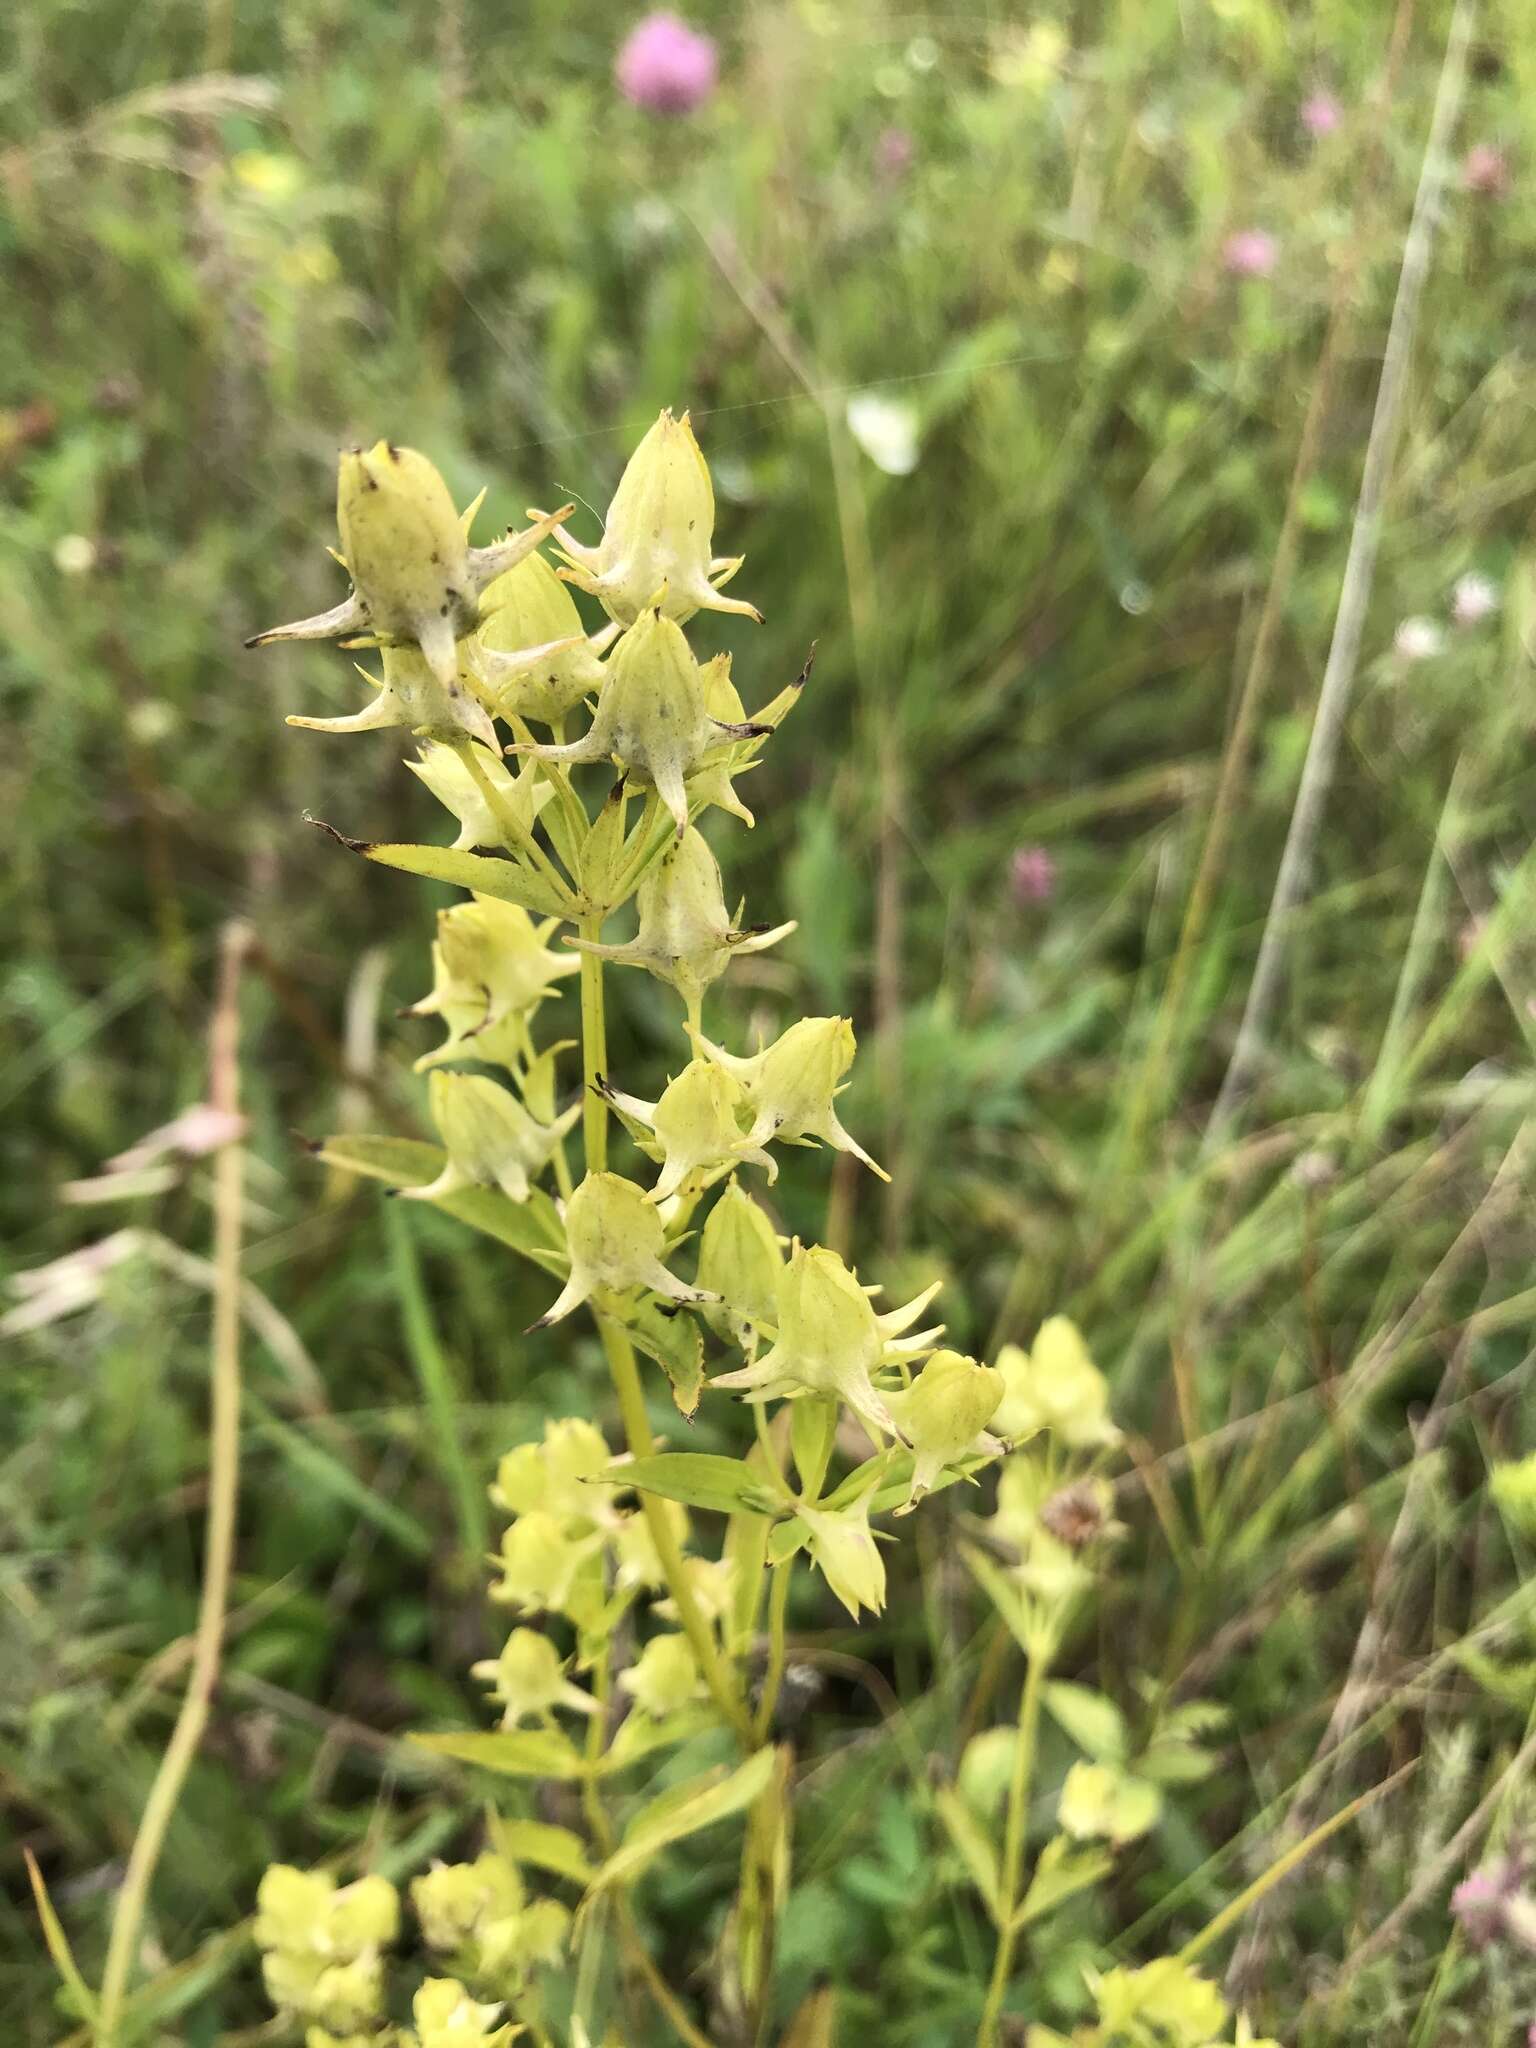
(1485, 169)
(1474, 599)
(1321, 114)
(665, 66)
(894, 154)
(1033, 875)
(1251, 252)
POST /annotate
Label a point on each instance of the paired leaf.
(1094, 1723)
(1064, 1867)
(507, 880)
(977, 1850)
(512, 1752)
(699, 1479)
(677, 1345)
(688, 1810)
(544, 1846)
(532, 1228)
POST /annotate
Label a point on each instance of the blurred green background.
(1000, 329)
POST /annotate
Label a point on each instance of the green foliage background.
(234, 237)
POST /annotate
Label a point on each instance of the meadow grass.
(1094, 618)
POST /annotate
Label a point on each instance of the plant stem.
(223, 1496)
(1013, 1847)
(773, 1677)
(620, 1354)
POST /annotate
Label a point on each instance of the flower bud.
(830, 1341)
(415, 578)
(656, 539)
(447, 2017)
(349, 1995)
(791, 1084)
(490, 970)
(1164, 2001)
(414, 694)
(685, 936)
(842, 1545)
(532, 1939)
(664, 1677)
(293, 1907)
(615, 1239)
(697, 1128)
(454, 1901)
(552, 1476)
(541, 1561)
(944, 1416)
(529, 1682)
(531, 655)
(491, 1139)
(740, 1260)
(1054, 1386)
(651, 718)
(443, 770)
(1100, 1802)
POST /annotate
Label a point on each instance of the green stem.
(622, 1365)
(223, 1497)
(778, 1649)
(594, 1051)
(1013, 1847)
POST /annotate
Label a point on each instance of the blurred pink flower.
(1251, 252)
(1474, 599)
(1321, 114)
(1485, 169)
(894, 153)
(1033, 875)
(1418, 639)
(665, 66)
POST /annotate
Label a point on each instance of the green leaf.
(513, 1752)
(638, 1735)
(1010, 1603)
(1094, 1723)
(674, 1340)
(812, 1428)
(544, 1846)
(687, 1810)
(509, 881)
(699, 1479)
(976, 1847)
(58, 1944)
(1064, 1867)
(532, 1228)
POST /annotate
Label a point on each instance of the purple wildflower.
(894, 154)
(1485, 169)
(1251, 252)
(1321, 114)
(1033, 875)
(665, 66)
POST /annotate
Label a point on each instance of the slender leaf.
(699, 1479)
(686, 1811)
(532, 1228)
(513, 1752)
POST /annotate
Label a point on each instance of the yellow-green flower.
(792, 1085)
(528, 1680)
(615, 1239)
(1055, 1385)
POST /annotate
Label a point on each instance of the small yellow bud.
(944, 1416)
(1165, 2001)
(615, 1239)
(491, 1139)
(1098, 1801)
(697, 1127)
(552, 1475)
(292, 1907)
(490, 970)
(849, 1558)
(349, 1995)
(830, 1341)
(454, 1901)
(665, 1677)
(540, 1564)
(531, 655)
(416, 581)
(686, 938)
(532, 1939)
(740, 1260)
(656, 538)
(791, 1084)
(529, 1682)
(522, 796)
(651, 717)
(447, 2017)
(1054, 1386)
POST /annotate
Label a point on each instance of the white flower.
(1419, 639)
(886, 430)
(1474, 599)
